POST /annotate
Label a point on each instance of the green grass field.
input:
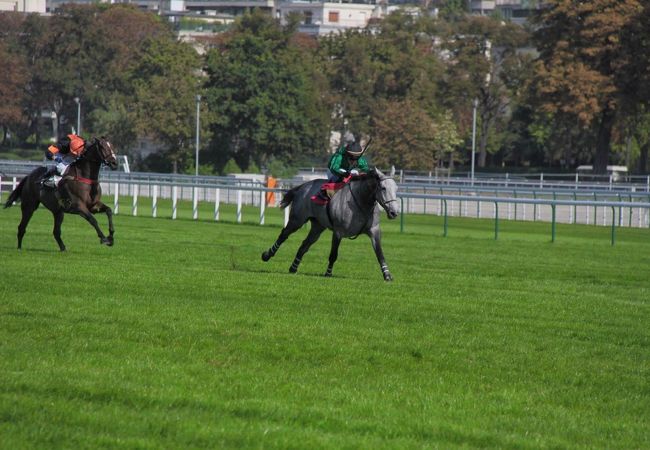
(181, 337)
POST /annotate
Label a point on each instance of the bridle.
(384, 204)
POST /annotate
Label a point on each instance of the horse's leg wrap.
(270, 253)
(294, 265)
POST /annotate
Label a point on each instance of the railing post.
(262, 205)
(116, 200)
(217, 201)
(174, 201)
(195, 203)
(134, 209)
(553, 222)
(239, 205)
(613, 224)
(401, 215)
(445, 226)
(154, 202)
(496, 220)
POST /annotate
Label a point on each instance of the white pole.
(198, 113)
(135, 199)
(116, 200)
(474, 138)
(286, 215)
(239, 206)
(262, 204)
(154, 203)
(78, 102)
(174, 201)
(195, 203)
(217, 200)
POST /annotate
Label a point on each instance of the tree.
(583, 65)
(261, 94)
(165, 96)
(13, 81)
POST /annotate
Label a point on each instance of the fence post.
(195, 203)
(444, 230)
(116, 201)
(286, 215)
(262, 204)
(217, 201)
(174, 201)
(238, 206)
(496, 220)
(401, 215)
(553, 222)
(154, 202)
(134, 209)
(613, 224)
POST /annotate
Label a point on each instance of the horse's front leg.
(101, 207)
(86, 214)
(314, 234)
(334, 253)
(375, 238)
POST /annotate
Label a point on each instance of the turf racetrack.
(181, 337)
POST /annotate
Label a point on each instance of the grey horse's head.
(386, 194)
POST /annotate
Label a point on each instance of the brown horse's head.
(105, 151)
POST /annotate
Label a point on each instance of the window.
(308, 17)
(333, 16)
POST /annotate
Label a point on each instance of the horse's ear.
(392, 171)
(378, 173)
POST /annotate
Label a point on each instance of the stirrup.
(319, 199)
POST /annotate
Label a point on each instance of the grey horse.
(351, 212)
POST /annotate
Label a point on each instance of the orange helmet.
(76, 144)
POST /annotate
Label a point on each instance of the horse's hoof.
(266, 256)
(292, 270)
(105, 241)
(388, 277)
(327, 275)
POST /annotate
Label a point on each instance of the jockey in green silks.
(348, 160)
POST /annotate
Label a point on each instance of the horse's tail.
(15, 194)
(288, 197)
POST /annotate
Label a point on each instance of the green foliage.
(231, 167)
(261, 93)
(474, 337)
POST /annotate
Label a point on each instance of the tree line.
(572, 88)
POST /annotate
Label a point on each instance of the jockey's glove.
(354, 172)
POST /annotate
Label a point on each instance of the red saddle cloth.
(327, 191)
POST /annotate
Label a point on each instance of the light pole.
(198, 112)
(78, 102)
(474, 138)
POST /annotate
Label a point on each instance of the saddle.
(327, 191)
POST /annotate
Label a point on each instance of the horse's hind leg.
(27, 212)
(334, 254)
(314, 234)
(291, 228)
(58, 220)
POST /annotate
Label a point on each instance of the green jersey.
(340, 163)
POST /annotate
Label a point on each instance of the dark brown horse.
(79, 192)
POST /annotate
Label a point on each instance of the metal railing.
(631, 213)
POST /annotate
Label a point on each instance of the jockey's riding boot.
(321, 198)
(48, 179)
